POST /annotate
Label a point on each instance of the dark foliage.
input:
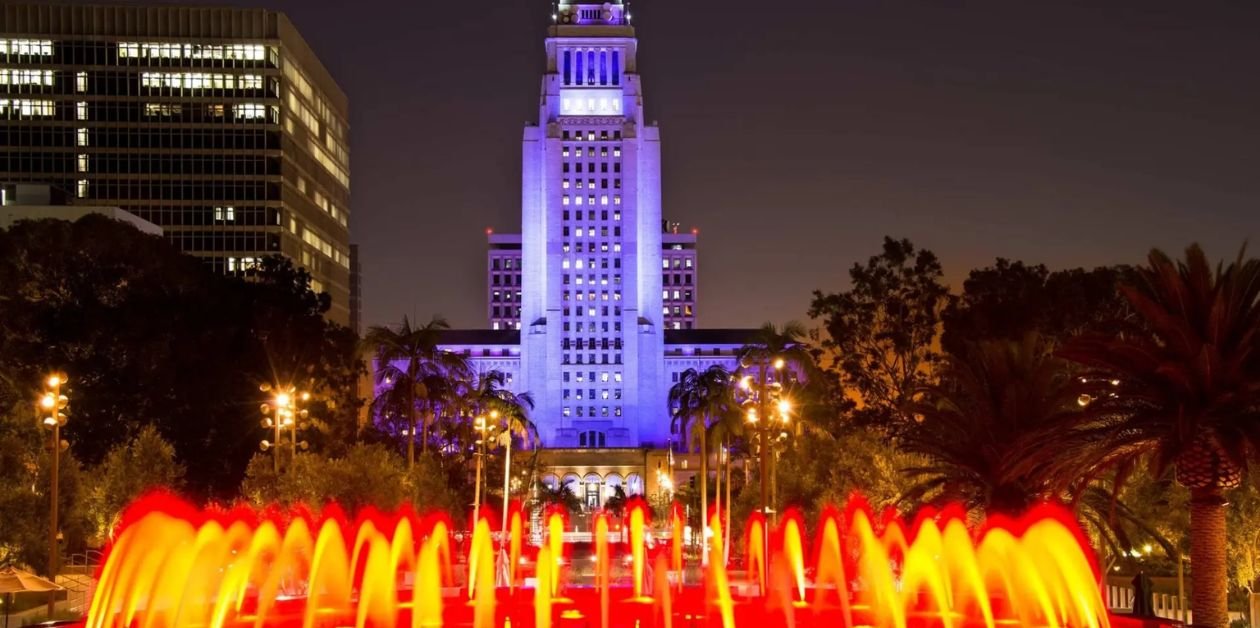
(148, 335)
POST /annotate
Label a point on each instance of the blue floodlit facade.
(579, 314)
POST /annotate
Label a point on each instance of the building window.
(83, 163)
(224, 214)
(81, 137)
(80, 82)
(82, 188)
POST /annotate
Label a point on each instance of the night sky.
(797, 134)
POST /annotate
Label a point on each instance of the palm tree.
(773, 349)
(993, 427)
(486, 394)
(1186, 394)
(998, 435)
(410, 362)
(693, 401)
(724, 429)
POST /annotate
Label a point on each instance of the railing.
(1163, 605)
(79, 579)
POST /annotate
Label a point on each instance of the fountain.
(174, 565)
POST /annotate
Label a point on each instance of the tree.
(1009, 300)
(145, 463)
(149, 335)
(559, 496)
(1187, 394)
(697, 397)
(412, 367)
(881, 331)
(24, 498)
(368, 475)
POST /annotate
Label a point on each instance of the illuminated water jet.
(173, 565)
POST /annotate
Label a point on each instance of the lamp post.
(483, 434)
(767, 412)
(53, 402)
(284, 413)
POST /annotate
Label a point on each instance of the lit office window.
(80, 82)
(27, 108)
(249, 111)
(83, 163)
(81, 137)
(18, 76)
(31, 47)
(82, 188)
(80, 111)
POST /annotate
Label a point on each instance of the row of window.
(585, 376)
(590, 279)
(603, 326)
(577, 358)
(589, 135)
(213, 241)
(594, 343)
(151, 190)
(676, 262)
(143, 53)
(684, 295)
(506, 296)
(590, 215)
(148, 113)
(677, 310)
(506, 311)
(585, 231)
(616, 411)
(590, 200)
(168, 138)
(166, 50)
(568, 247)
(145, 164)
(592, 296)
(175, 84)
(604, 393)
(590, 66)
(578, 151)
(576, 167)
(506, 279)
(506, 263)
(591, 311)
(582, 184)
(590, 263)
(683, 279)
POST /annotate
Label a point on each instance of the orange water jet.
(173, 565)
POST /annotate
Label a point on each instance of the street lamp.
(52, 407)
(284, 413)
(484, 429)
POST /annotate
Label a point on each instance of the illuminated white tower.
(592, 347)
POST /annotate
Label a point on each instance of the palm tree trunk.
(411, 428)
(704, 494)
(1209, 596)
(726, 545)
(424, 432)
(717, 490)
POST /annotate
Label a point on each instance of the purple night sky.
(1055, 132)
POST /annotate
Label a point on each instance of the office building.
(219, 125)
